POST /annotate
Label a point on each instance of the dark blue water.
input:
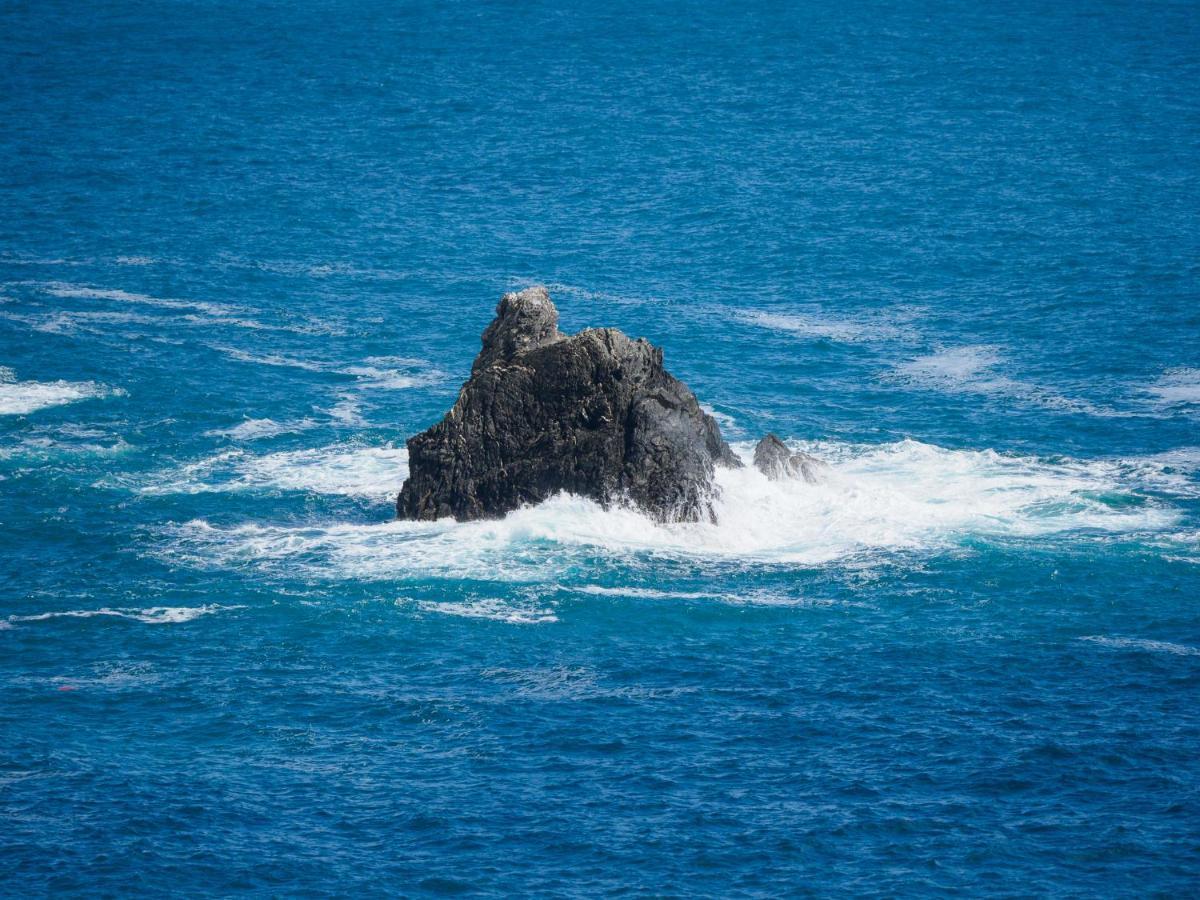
(952, 248)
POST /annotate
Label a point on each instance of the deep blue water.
(951, 247)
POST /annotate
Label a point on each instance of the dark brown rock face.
(593, 414)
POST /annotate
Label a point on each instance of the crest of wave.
(18, 398)
(880, 499)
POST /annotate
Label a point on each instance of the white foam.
(69, 322)
(19, 398)
(376, 372)
(494, 609)
(84, 292)
(1119, 643)
(344, 469)
(818, 326)
(347, 411)
(970, 370)
(879, 500)
(727, 423)
(643, 593)
(805, 326)
(1177, 387)
(153, 615)
(66, 441)
(255, 429)
(271, 359)
(393, 373)
(742, 598)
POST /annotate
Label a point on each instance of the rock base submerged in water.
(593, 414)
(773, 458)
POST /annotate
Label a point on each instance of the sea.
(951, 248)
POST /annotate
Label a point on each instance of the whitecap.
(84, 292)
(879, 501)
(727, 423)
(393, 373)
(153, 615)
(347, 411)
(18, 398)
(491, 608)
(345, 469)
(1176, 387)
(1149, 646)
(271, 359)
(818, 326)
(66, 441)
(256, 429)
(643, 593)
(971, 370)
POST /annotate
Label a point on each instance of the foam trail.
(1148, 646)
(492, 608)
(154, 615)
(342, 469)
(879, 501)
(19, 398)
(255, 429)
(1177, 387)
(83, 292)
(393, 373)
(970, 370)
(821, 327)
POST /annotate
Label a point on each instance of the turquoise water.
(248, 249)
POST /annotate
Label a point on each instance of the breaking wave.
(1142, 644)
(342, 469)
(19, 398)
(1177, 387)
(879, 500)
(153, 615)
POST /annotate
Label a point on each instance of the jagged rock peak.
(524, 319)
(593, 414)
(773, 458)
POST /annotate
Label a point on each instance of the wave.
(393, 373)
(347, 411)
(1120, 643)
(820, 327)
(256, 429)
(880, 501)
(19, 398)
(1177, 387)
(271, 359)
(344, 469)
(84, 292)
(493, 608)
(153, 615)
(971, 370)
(375, 372)
(63, 441)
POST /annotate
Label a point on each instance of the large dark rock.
(773, 458)
(593, 413)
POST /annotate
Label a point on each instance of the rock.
(594, 414)
(773, 458)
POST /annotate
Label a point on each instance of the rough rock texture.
(773, 458)
(593, 413)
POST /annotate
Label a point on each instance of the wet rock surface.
(774, 459)
(594, 414)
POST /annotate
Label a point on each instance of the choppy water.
(248, 249)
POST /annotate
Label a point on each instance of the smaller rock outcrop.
(773, 458)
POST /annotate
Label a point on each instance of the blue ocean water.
(952, 248)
